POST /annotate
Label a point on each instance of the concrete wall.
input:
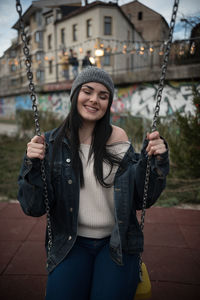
(138, 99)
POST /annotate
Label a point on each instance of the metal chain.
(156, 113)
(36, 115)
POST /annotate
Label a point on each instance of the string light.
(108, 49)
(151, 49)
(161, 52)
(124, 51)
(192, 48)
(115, 47)
(181, 50)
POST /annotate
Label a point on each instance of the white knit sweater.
(96, 208)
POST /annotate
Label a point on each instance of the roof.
(135, 1)
(26, 15)
(91, 6)
(45, 6)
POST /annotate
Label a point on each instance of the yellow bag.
(144, 287)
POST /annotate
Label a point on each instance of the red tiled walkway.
(172, 254)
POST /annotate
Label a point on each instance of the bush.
(183, 135)
(26, 124)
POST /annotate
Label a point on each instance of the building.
(149, 23)
(97, 26)
(53, 31)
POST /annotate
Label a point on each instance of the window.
(38, 36)
(38, 18)
(62, 33)
(40, 75)
(49, 20)
(49, 41)
(74, 32)
(107, 60)
(21, 80)
(58, 15)
(140, 15)
(89, 28)
(50, 66)
(13, 53)
(13, 68)
(13, 82)
(107, 25)
(38, 56)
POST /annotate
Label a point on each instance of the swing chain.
(156, 115)
(157, 108)
(164, 65)
(36, 115)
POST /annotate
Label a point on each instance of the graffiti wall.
(55, 102)
(137, 99)
(7, 108)
(140, 99)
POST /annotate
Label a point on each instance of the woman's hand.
(156, 145)
(36, 147)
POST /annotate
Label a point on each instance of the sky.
(187, 9)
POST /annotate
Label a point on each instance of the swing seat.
(144, 287)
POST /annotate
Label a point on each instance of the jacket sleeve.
(159, 168)
(31, 187)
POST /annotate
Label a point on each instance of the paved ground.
(172, 254)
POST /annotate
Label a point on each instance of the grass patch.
(11, 154)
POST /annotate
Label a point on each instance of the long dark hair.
(101, 133)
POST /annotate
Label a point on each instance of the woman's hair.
(101, 133)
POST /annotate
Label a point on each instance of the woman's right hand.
(36, 147)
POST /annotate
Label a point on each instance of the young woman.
(95, 185)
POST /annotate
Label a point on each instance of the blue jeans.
(89, 273)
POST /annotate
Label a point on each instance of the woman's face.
(92, 101)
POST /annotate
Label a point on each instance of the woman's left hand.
(156, 145)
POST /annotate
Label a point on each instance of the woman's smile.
(93, 101)
(91, 109)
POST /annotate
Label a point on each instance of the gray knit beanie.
(93, 74)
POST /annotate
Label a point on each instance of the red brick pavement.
(172, 254)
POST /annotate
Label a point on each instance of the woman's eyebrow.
(91, 88)
(88, 86)
(104, 92)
